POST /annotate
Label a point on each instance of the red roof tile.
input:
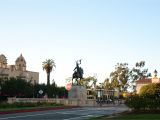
(144, 81)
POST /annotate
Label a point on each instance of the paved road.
(65, 114)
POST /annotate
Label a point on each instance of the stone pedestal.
(78, 94)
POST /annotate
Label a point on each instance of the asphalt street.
(66, 114)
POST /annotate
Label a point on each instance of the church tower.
(155, 79)
(3, 61)
(20, 63)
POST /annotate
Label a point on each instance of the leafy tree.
(119, 77)
(62, 92)
(138, 72)
(89, 82)
(152, 90)
(37, 88)
(17, 88)
(48, 66)
(53, 90)
(107, 85)
(1, 81)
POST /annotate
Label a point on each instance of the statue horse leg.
(73, 77)
(76, 81)
(72, 81)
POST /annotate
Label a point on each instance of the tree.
(89, 82)
(15, 87)
(37, 88)
(48, 66)
(119, 77)
(106, 84)
(62, 92)
(152, 89)
(138, 72)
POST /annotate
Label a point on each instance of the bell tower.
(155, 79)
(20, 63)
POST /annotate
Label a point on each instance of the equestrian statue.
(78, 74)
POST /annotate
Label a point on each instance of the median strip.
(36, 109)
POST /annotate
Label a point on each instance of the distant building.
(18, 70)
(146, 81)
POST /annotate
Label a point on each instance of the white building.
(18, 70)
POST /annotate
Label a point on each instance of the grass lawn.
(133, 117)
(128, 116)
(27, 106)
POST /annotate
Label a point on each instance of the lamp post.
(100, 95)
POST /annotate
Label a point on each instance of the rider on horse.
(78, 72)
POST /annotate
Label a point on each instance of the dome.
(20, 63)
(20, 59)
(3, 59)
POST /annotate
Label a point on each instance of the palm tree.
(48, 66)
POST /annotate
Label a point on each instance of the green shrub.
(151, 90)
(148, 98)
(27, 104)
(138, 102)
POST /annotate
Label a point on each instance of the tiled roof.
(144, 81)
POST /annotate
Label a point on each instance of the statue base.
(79, 94)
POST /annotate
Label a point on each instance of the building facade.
(146, 81)
(18, 70)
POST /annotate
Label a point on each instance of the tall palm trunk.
(48, 84)
(48, 79)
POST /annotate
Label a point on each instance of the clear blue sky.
(100, 32)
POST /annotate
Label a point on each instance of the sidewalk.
(119, 107)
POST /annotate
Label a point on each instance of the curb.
(36, 109)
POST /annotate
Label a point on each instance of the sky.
(100, 32)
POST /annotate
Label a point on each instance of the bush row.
(137, 102)
(21, 105)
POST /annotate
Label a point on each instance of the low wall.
(67, 102)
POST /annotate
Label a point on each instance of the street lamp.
(99, 92)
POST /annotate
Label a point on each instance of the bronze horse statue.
(78, 73)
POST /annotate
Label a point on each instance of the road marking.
(82, 113)
(69, 112)
(75, 118)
